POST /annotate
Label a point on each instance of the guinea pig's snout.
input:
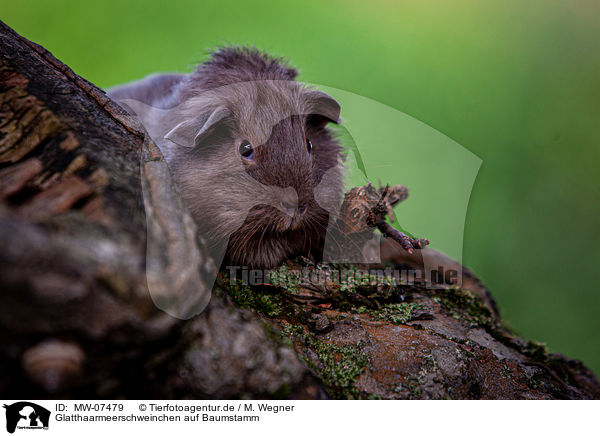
(290, 204)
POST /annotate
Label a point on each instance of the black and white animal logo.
(26, 415)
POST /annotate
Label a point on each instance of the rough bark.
(91, 223)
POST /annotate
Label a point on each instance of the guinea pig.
(250, 151)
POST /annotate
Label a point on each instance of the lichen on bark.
(387, 339)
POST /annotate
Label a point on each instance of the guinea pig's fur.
(263, 210)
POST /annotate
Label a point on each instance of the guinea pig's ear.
(192, 132)
(323, 107)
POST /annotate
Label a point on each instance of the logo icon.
(26, 415)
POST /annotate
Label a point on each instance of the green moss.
(294, 331)
(339, 367)
(353, 280)
(535, 381)
(269, 304)
(360, 309)
(285, 278)
(465, 354)
(506, 372)
(399, 313)
(349, 285)
(536, 350)
(352, 284)
(465, 306)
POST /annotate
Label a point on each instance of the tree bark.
(91, 276)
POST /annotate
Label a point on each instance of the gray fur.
(253, 208)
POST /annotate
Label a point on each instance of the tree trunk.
(99, 304)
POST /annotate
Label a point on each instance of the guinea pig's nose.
(289, 202)
(289, 208)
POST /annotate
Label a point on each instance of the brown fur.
(238, 204)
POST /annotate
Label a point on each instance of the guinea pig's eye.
(308, 145)
(246, 150)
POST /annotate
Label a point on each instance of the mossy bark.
(399, 340)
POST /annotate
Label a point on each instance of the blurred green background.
(515, 82)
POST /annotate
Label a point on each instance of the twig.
(388, 198)
(408, 243)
